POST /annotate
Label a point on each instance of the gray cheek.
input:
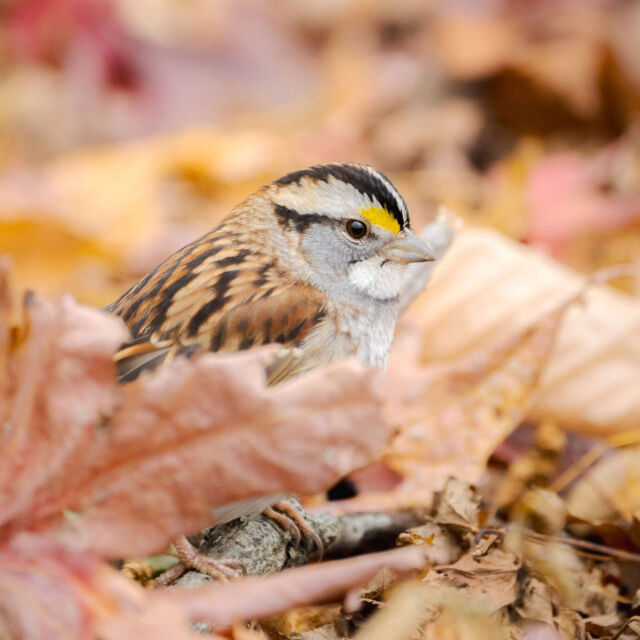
(326, 252)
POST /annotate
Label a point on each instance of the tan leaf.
(488, 286)
(425, 611)
(139, 200)
(490, 579)
(609, 490)
(451, 417)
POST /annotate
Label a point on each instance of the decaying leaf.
(49, 592)
(59, 387)
(203, 434)
(490, 579)
(124, 469)
(427, 612)
(607, 498)
(451, 417)
(488, 287)
(135, 193)
(169, 612)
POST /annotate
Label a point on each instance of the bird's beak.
(407, 247)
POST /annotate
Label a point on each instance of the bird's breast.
(371, 327)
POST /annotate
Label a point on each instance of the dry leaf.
(489, 579)
(457, 504)
(608, 490)
(568, 196)
(48, 592)
(427, 612)
(406, 610)
(136, 465)
(59, 385)
(221, 605)
(203, 434)
(451, 417)
(488, 287)
(146, 198)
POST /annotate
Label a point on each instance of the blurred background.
(128, 127)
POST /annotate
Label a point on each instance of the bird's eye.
(356, 229)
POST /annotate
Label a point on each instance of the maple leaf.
(121, 470)
(452, 417)
(139, 464)
(55, 593)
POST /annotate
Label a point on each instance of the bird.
(314, 262)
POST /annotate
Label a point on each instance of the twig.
(628, 623)
(601, 549)
(264, 547)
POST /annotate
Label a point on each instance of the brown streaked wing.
(286, 316)
(228, 302)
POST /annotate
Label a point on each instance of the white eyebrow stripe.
(334, 198)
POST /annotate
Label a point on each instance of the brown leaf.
(169, 612)
(609, 490)
(537, 601)
(457, 504)
(139, 464)
(490, 579)
(428, 612)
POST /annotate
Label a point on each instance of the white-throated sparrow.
(314, 261)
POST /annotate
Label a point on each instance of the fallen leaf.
(451, 417)
(146, 199)
(122, 470)
(48, 592)
(609, 490)
(441, 545)
(168, 612)
(428, 612)
(59, 385)
(457, 504)
(490, 579)
(570, 195)
(537, 602)
(488, 287)
(203, 434)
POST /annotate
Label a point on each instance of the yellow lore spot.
(381, 217)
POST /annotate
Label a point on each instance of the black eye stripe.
(288, 218)
(301, 221)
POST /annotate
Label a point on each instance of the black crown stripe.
(360, 178)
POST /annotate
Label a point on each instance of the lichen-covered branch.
(262, 546)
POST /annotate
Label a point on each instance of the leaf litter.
(498, 581)
(517, 117)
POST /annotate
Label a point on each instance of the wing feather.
(217, 295)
